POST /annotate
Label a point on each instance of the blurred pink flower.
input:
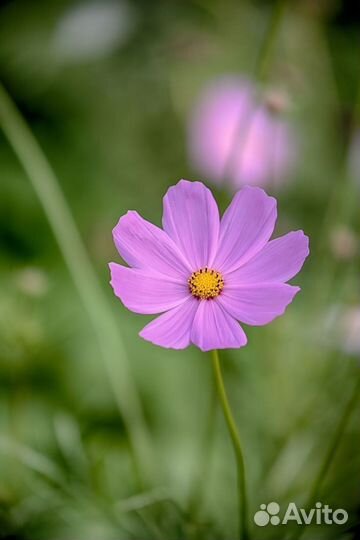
(341, 328)
(236, 137)
(344, 243)
(205, 274)
(350, 329)
(32, 281)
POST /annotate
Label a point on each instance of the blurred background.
(104, 436)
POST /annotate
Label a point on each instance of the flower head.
(235, 136)
(205, 274)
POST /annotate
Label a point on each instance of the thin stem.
(235, 438)
(331, 451)
(260, 72)
(341, 207)
(267, 44)
(52, 199)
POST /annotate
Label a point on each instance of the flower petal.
(257, 304)
(280, 260)
(214, 328)
(172, 329)
(143, 245)
(214, 135)
(191, 219)
(146, 293)
(252, 163)
(245, 228)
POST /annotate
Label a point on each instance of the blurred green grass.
(114, 130)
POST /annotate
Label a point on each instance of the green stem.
(260, 72)
(341, 208)
(52, 199)
(267, 45)
(330, 454)
(235, 438)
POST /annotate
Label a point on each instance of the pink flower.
(236, 137)
(205, 274)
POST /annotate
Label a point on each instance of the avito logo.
(320, 515)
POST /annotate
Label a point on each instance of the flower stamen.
(206, 283)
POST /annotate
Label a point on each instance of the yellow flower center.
(206, 283)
